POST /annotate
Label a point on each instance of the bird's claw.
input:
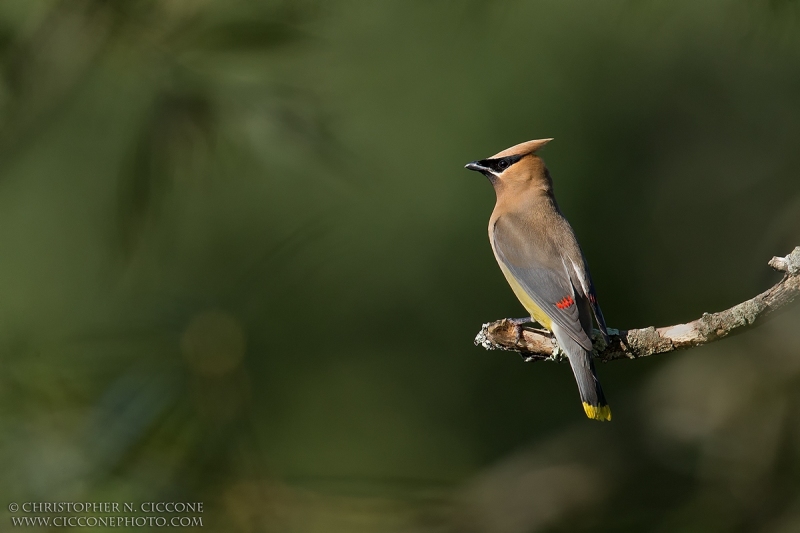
(517, 324)
(517, 333)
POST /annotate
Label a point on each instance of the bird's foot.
(518, 323)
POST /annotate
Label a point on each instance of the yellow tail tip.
(597, 412)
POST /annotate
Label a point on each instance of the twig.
(634, 343)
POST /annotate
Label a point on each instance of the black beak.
(476, 166)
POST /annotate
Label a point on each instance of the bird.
(542, 261)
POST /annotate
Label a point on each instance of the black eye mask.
(501, 163)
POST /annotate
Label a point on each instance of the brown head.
(517, 169)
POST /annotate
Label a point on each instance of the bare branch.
(536, 345)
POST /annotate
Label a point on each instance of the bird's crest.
(525, 148)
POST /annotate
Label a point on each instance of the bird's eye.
(502, 165)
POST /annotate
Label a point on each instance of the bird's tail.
(594, 402)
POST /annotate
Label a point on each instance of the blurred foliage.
(242, 263)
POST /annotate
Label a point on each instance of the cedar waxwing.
(540, 257)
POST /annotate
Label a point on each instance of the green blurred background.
(241, 262)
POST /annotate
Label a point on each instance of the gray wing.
(539, 266)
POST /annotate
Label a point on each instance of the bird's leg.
(541, 331)
(518, 323)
